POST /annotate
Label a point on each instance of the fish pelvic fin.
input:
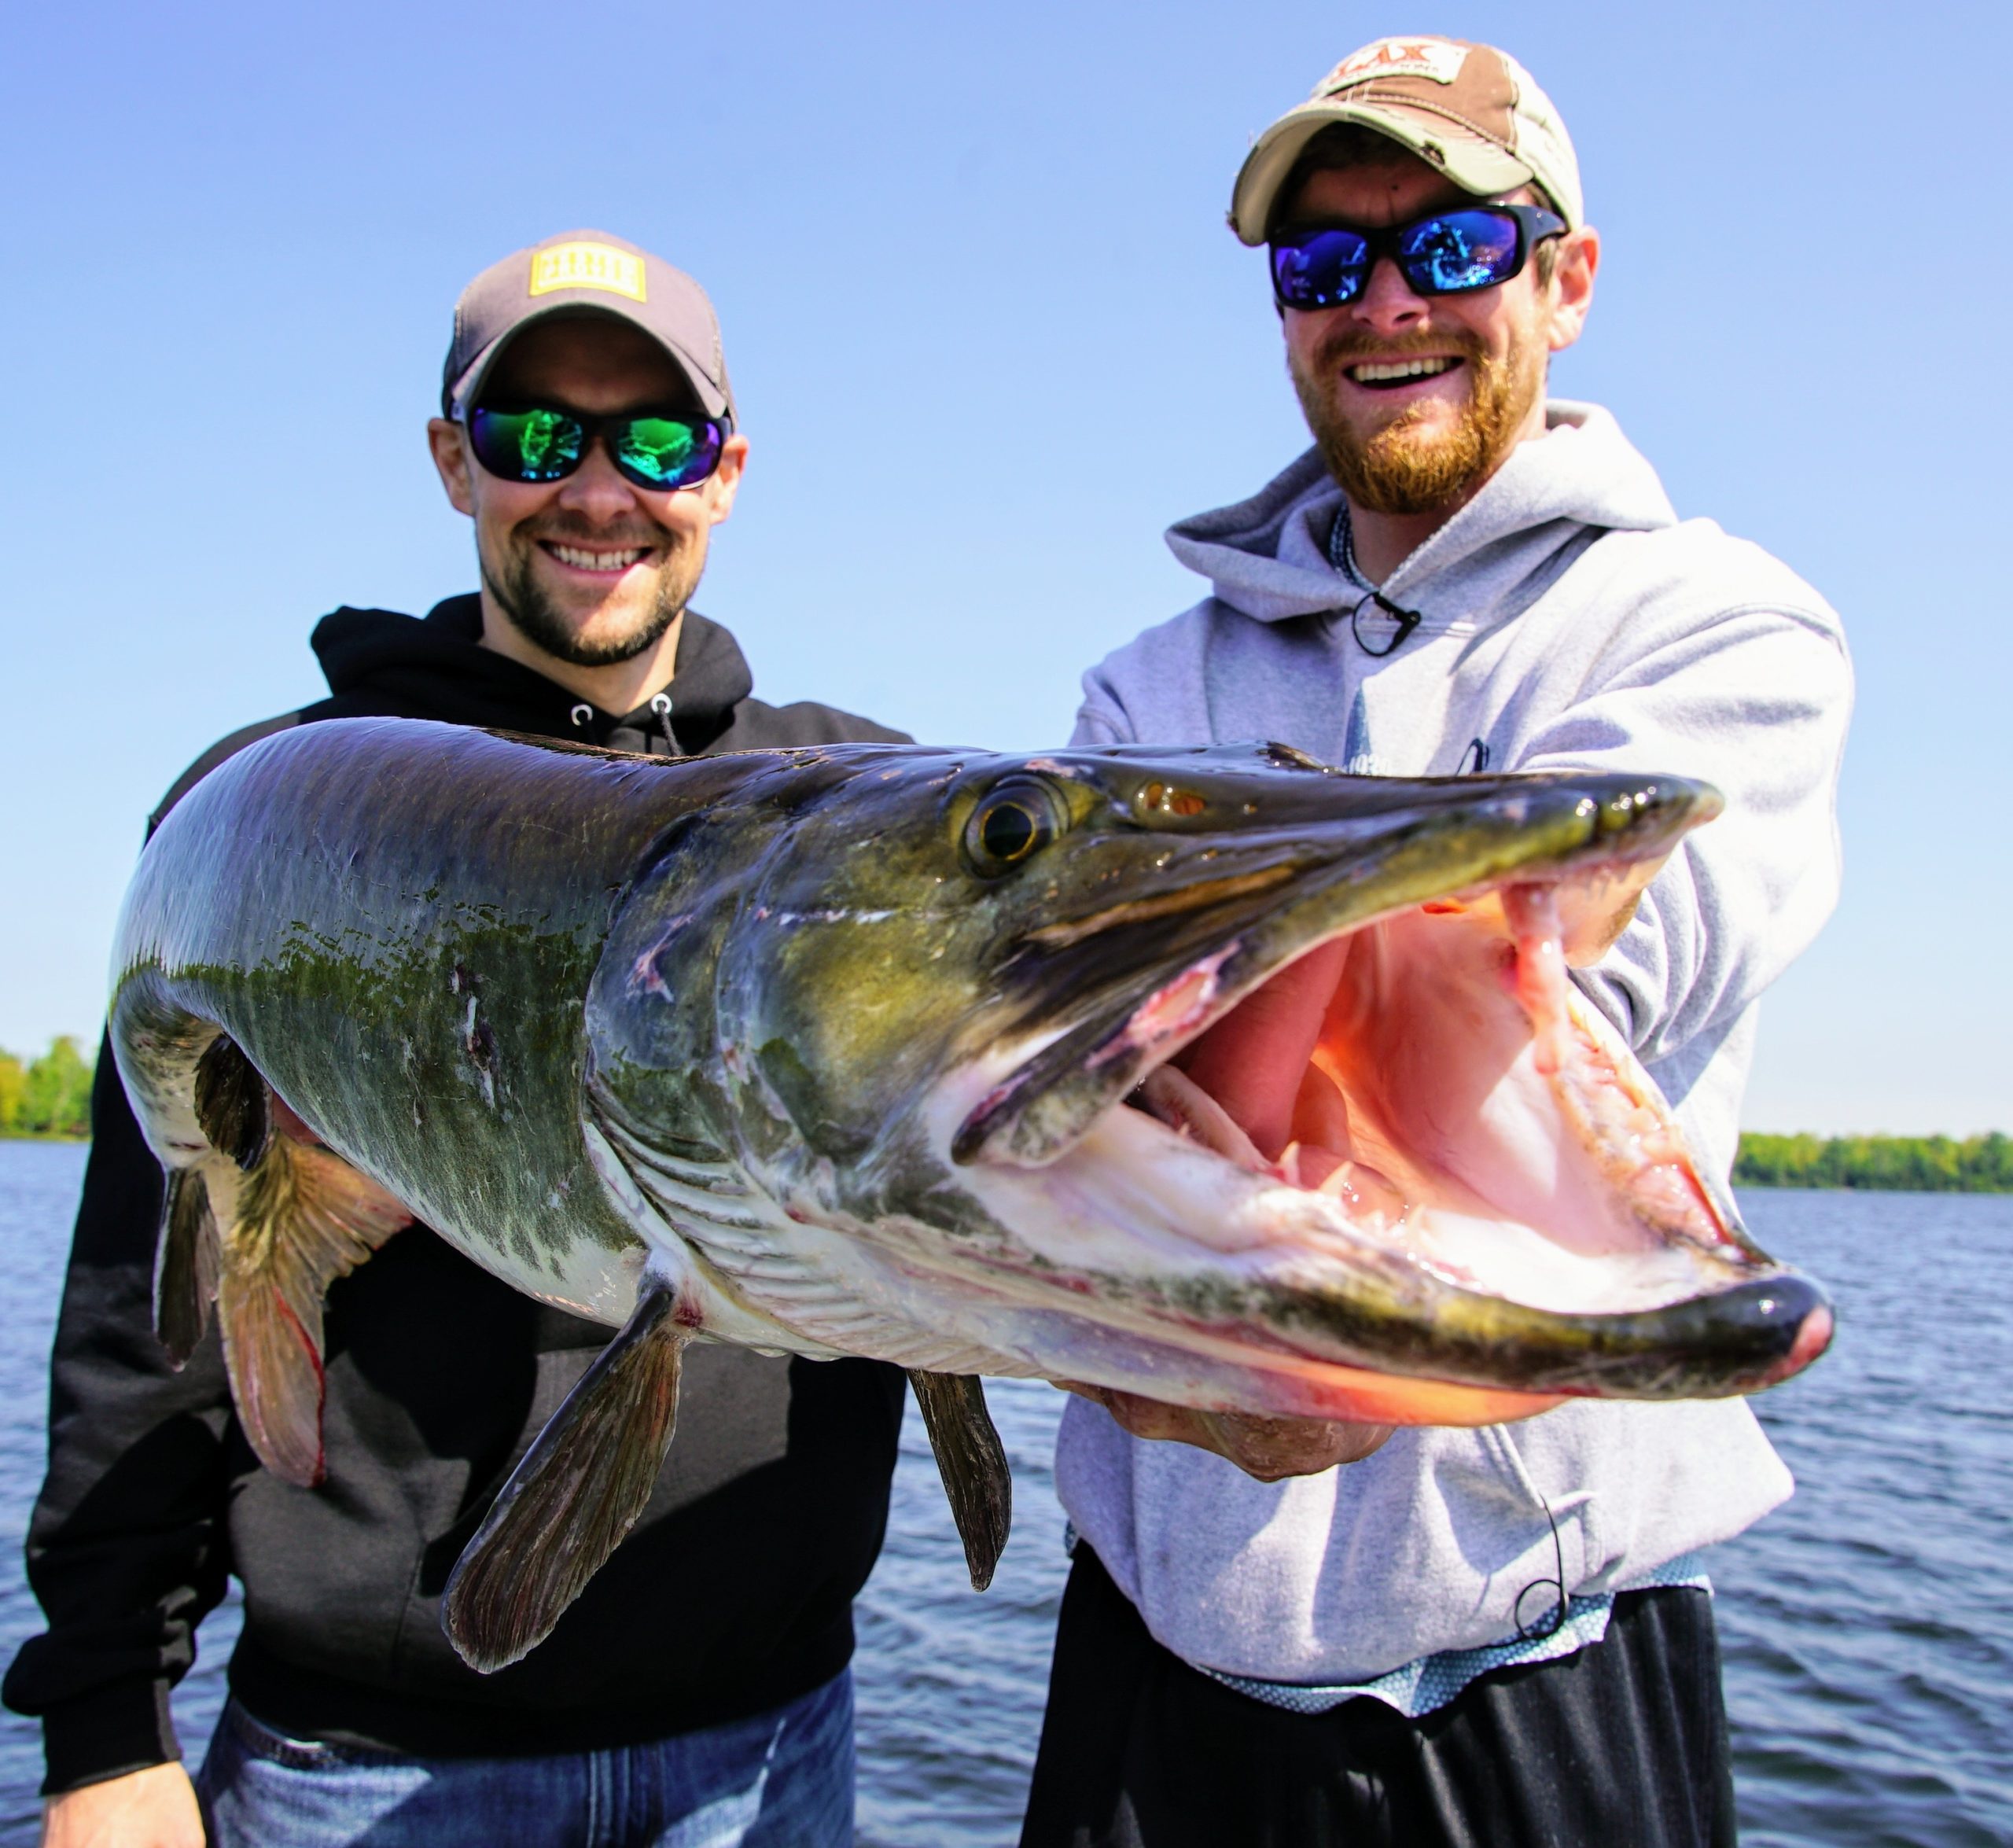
(187, 1261)
(303, 1218)
(571, 1501)
(972, 1462)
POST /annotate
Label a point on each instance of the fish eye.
(1011, 824)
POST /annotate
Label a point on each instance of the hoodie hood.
(379, 661)
(1267, 557)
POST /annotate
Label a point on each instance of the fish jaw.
(1513, 1217)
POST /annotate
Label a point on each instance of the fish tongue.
(1182, 1104)
(1251, 1062)
(1540, 978)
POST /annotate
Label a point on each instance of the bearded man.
(698, 1690)
(1278, 1632)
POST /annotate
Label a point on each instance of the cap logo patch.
(588, 266)
(1433, 59)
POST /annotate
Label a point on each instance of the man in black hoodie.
(698, 1690)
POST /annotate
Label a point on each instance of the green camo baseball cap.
(1469, 109)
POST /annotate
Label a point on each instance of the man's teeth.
(582, 560)
(1378, 371)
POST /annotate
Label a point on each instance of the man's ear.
(1573, 286)
(449, 444)
(724, 483)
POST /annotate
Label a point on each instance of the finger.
(1150, 1419)
(1595, 914)
(1270, 1449)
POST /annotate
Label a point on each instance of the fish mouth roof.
(1275, 971)
(1222, 918)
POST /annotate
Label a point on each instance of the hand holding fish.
(1213, 1077)
(1268, 1449)
(1593, 912)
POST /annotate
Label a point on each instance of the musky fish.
(919, 1053)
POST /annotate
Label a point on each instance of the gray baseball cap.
(1471, 110)
(585, 273)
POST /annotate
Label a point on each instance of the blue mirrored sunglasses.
(1447, 253)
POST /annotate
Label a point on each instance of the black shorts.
(1622, 1745)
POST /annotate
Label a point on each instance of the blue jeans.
(782, 1780)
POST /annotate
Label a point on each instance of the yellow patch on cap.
(588, 266)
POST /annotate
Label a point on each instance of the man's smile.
(1390, 375)
(595, 561)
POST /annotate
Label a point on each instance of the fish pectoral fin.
(972, 1462)
(303, 1217)
(576, 1494)
(186, 1262)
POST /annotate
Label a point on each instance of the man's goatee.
(1402, 468)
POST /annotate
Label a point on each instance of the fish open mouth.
(1358, 1086)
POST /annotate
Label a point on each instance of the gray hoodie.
(1569, 620)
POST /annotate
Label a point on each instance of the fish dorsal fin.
(303, 1217)
(576, 1494)
(232, 1104)
(973, 1463)
(187, 1261)
(233, 1113)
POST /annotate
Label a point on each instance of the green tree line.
(50, 1095)
(1922, 1164)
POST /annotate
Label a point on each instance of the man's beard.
(1401, 468)
(523, 599)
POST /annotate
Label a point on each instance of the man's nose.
(1388, 304)
(596, 489)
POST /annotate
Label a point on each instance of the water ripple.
(1868, 1637)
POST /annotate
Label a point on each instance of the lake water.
(1868, 1626)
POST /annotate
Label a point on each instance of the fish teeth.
(1373, 372)
(583, 560)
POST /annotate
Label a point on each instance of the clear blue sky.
(989, 337)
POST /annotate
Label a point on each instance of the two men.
(1416, 1638)
(1451, 1636)
(698, 1691)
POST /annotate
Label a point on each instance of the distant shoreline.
(1838, 1163)
(1877, 1164)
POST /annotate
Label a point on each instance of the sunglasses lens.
(1460, 250)
(665, 452)
(526, 445)
(1320, 269)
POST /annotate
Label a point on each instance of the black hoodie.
(732, 1594)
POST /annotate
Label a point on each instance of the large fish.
(917, 1054)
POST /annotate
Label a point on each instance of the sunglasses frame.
(1534, 224)
(595, 429)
